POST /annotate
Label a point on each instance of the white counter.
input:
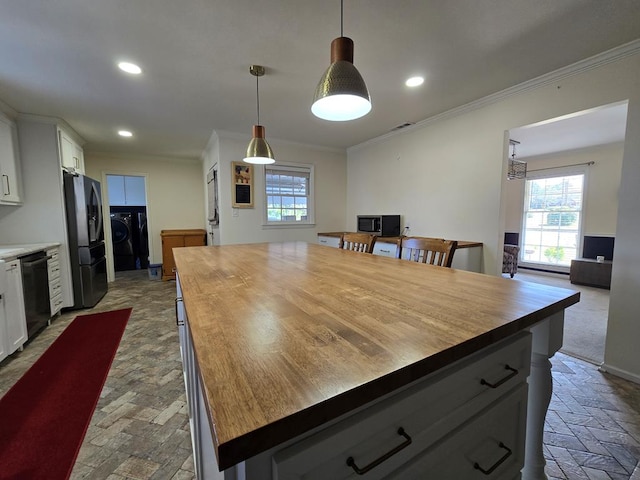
(9, 252)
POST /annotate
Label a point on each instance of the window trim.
(555, 172)
(291, 167)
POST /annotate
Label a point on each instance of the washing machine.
(122, 239)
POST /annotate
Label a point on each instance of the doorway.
(553, 221)
(129, 226)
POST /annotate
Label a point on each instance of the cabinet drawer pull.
(513, 373)
(179, 323)
(490, 470)
(361, 471)
(8, 190)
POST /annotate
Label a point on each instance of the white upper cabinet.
(126, 190)
(134, 190)
(10, 181)
(115, 186)
(71, 154)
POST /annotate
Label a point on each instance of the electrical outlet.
(236, 212)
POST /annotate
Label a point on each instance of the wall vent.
(402, 125)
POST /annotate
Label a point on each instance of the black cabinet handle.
(179, 323)
(513, 373)
(490, 470)
(361, 471)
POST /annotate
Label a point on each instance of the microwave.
(381, 225)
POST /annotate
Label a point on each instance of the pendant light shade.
(341, 94)
(258, 151)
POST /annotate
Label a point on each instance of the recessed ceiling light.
(131, 68)
(125, 133)
(414, 81)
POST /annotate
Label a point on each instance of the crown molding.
(59, 122)
(8, 110)
(141, 156)
(610, 56)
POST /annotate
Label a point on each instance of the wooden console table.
(588, 271)
(194, 237)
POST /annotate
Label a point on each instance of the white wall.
(447, 177)
(602, 186)
(622, 355)
(42, 217)
(174, 190)
(247, 226)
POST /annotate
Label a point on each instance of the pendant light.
(516, 168)
(341, 93)
(258, 150)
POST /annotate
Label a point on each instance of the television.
(594, 246)
(512, 238)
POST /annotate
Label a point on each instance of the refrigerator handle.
(99, 205)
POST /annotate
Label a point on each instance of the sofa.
(510, 259)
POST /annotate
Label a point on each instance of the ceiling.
(589, 128)
(58, 59)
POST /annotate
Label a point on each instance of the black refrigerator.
(83, 202)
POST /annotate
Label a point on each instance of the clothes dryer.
(121, 236)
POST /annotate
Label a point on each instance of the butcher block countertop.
(461, 243)
(289, 336)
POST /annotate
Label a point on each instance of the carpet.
(585, 323)
(45, 415)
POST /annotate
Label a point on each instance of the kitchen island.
(302, 360)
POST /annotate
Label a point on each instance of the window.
(552, 219)
(289, 194)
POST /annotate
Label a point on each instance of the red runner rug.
(45, 415)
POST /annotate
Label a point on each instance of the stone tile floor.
(140, 428)
(592, 430)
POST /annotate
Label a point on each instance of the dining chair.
(358, 242)
(434, 251)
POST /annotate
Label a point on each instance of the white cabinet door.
(4, 349)
(16, 319)
(10, 184)
(385, 249)
(79, 158)
(126, 190)
(328, 241)
(491, 446)
(134, 190)
(71, 155)
(115, 186)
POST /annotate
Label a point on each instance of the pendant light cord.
(258, 98)
(341, 18)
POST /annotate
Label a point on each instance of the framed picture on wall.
(242, 185)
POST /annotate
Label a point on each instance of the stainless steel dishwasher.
(35, 285)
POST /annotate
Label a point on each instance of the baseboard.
(632, 377)
(542, 271)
